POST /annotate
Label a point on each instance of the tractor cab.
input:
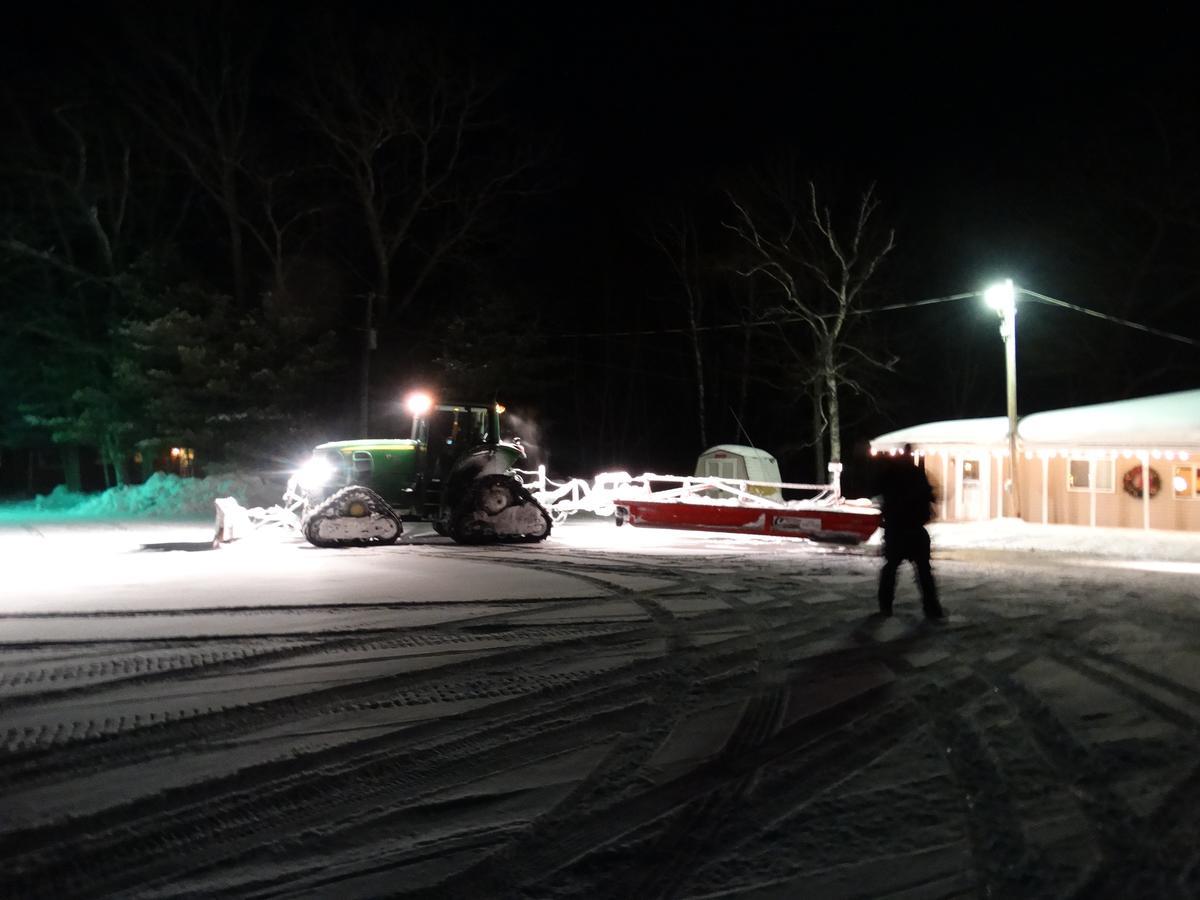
(453, 428)
(446, 434)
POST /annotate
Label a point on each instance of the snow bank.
(1029, 537)
(162, 496)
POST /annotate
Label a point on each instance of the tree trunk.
(378, 309)
(237, 254)
(118, 464)
(748, 315)
(818, 426)
(699, 363)
(835, 420)
(364, 380)
(111, 454)
(72, 473)
(744, 375)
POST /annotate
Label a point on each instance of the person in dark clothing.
(907, 505)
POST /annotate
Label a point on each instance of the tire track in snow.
(689, 834)
(619, 768)
(150, 742)
(135, 669)
(1134, 862)
(259, 786)
(217, 817)
(1113, 821)
(833, 743)
(196, 660)
(459, 774)
(360, 795)
(1005, 859)
(708, 813)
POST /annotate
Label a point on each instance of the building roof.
(1163, 420)
(981, 432)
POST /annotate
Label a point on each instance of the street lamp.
(1003, 299)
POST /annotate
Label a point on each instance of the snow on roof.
(992, 430)
(1163, 420)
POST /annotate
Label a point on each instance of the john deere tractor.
(454, 471)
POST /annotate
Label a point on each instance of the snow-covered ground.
(614, 712)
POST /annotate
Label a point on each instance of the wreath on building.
(1132, 482)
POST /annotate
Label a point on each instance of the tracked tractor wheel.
(498, 509)
(355, 516)
(494, 497)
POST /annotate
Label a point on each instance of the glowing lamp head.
(1180, 484)
(315, 474)
(418, 403)
(1001, 297)
(500, 407)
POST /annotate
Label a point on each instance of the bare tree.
(822, 267)
(275, 230)
(678, 241)
(196, 98)
(411, 138)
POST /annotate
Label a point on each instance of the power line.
(785, 320)
(888, 308)
(929, 302)
(1105, 316)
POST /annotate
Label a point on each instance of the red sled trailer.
(707, 503)
(841, 523)
(736, 490)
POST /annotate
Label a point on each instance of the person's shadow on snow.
(894, 631)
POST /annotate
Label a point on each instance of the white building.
(1080, 466)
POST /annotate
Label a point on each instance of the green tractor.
(454, 471)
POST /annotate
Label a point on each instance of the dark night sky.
(969, 119)
(940, 111)
(940, 106)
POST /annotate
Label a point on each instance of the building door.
(972, 501)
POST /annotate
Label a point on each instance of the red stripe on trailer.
(816, 523)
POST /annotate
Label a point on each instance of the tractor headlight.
(315, 474)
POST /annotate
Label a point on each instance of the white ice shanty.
(738, 462)
(1085, 465)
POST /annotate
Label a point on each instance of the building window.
(1186, 482)
(1078, 475)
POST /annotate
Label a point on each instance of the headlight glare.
(315, 474)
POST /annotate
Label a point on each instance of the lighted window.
(970, 470)
(1079, 472)
(1186, 482)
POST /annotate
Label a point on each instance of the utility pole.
(364, 386)
(1003, 299)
